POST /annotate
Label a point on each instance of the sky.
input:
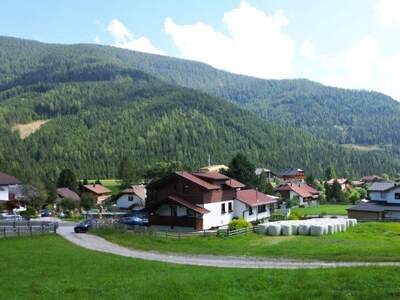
(343, 43)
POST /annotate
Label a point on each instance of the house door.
(174, 211)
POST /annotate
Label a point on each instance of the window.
(250, 210)
(130, 198)
(230, 207)
(174, 211)
(397, 196)
(223, 208)
(262, 208)
(189, 212)
(186, 188)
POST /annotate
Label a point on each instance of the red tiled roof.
(197, 181)
(211, 175)
(187, 204)
(302, 189)
(6, 179)
(234, 183)
(67, 193)
(97, 189)
(254, 198)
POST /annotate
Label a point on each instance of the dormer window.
(186, 188)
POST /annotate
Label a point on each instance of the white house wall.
(4, 194)
(215, 218)
(123, 202)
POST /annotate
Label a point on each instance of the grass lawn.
(48, 267)
(329, 209)
(365, 242)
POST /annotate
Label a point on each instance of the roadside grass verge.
(365, 242)
(328, 209)
(48, 267)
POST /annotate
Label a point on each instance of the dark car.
(134, 220)
(84, 226)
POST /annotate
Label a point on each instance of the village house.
(292, 174)
(203, 200)
(214, 168)
(345, 184)
(383, 203)
(99, 192)
(132, 198)
(64, 192)
(9, 187)
(371, 179)
(269, 175)
(307, 194)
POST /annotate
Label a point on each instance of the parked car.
(45, 213)
(10, 217)
(134, 220)
(84, 226)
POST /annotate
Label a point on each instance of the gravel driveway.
(96, 243)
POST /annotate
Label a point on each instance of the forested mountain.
(103, 104)
(344, 116)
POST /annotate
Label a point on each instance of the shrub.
(238, 224)
(295, 215)
(67, 204)
(29, 212)
(87, 201)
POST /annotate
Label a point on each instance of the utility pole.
(257, 204)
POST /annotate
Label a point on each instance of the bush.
(277, 216)
(238, 224)
(28, 213)
(295, 215)
(87, 201)
(67, 204)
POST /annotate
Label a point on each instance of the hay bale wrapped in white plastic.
(348, 223)
(286, 229)
(343, 226)
(274, 229)
(353, 222)
(295, 228)
(317, 230)
(262, 228)
(304, 229)
(331, 228)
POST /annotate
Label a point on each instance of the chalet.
(383, 203)
(203, 200)
(292, 174)
(307, 194)
(9, 186)
(345, 184)
(269, 175)
(63, 193)
(132, 198)
(99, 192)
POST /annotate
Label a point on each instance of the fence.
(143, 230)
(23, 228)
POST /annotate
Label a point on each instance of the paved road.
(99, 244)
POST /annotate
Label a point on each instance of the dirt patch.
(25, 130)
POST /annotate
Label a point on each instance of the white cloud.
(255, 43)
(387, 12)
(123, 38)
(308, 50)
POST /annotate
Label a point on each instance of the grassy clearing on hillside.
(48, 267)
(25, 130)
(365, 242)
(329, 209)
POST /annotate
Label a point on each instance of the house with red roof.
(9, 185)
(99, 192)
(307, 194)
(67, 193)
(132, 198)
(203, 200)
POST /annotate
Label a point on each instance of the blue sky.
(345, 43)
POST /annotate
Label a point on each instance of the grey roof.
(290, 172)
(382, 186)
(374, 207)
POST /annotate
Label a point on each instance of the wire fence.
(170, 234)
(26, 228)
